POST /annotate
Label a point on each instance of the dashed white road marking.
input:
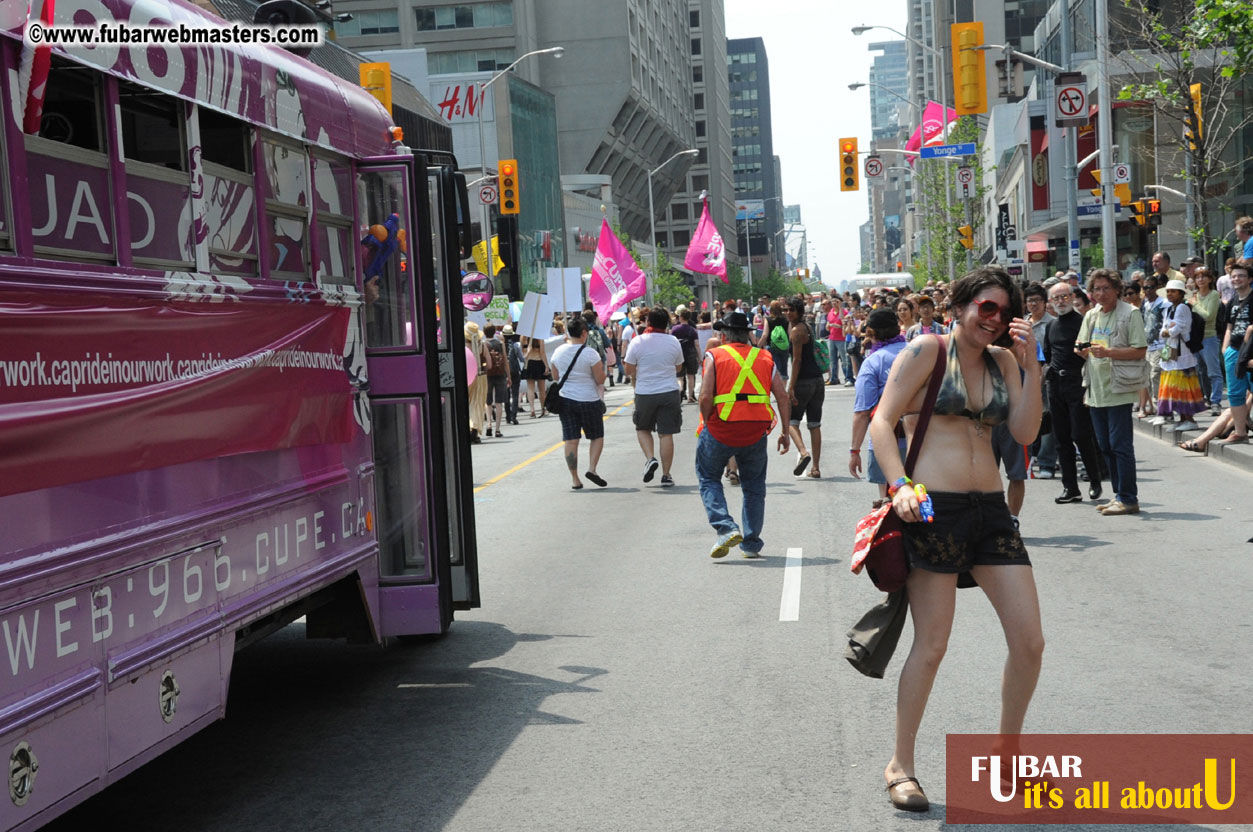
(790, 606)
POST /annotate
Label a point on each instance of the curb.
(1241, 456)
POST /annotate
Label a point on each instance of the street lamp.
(856, 85)
(652, 219)
(937, 58)
(556, 52)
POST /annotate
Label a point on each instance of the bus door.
(406, 424)
(449, 236)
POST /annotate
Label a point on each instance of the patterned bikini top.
(954, 399)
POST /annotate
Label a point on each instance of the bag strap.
(928, 406)
(573, 361)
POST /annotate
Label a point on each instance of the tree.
(669, 290)
(736, 288)
(940, 220)
(1177, 47)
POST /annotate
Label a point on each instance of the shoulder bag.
(552, 398)
(877, 542)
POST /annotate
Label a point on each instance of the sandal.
(802, 462)
(734, 478)
(1234, 439)
(814, 474)
(910, 799)
(1191, 445)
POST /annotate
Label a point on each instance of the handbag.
(878, 544)
(552, 398)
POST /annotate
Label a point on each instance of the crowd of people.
(1044, 377)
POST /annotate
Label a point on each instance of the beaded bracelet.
(898, 485)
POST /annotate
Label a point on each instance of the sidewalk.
(1240, 456)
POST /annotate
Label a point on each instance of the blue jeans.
(711, 459)
(1115, 438)
(840, 348)
(1211, 356)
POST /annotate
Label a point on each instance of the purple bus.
(232, 385)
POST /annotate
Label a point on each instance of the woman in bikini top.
(971, 536)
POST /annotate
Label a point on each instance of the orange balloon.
(379, 232)
(403, 239)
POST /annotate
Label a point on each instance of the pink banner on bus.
(94, 388)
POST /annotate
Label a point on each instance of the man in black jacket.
(1064, 381)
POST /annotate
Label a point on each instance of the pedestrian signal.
(509, 202)
(1153, 211)
(970, 81)
(966, 236)
(850, 174)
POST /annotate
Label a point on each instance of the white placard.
(704, 335)
(565, 287)
(537, 316)
(477, 317)
(497, 311)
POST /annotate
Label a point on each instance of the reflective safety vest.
(737, 367)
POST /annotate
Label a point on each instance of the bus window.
(229, 193)
(6, 236)
(287, 209)
(158, 185)
(383, 205)
(332, 200)
(68, 171)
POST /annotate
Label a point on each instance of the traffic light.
(966, 236)
(1138, 211)
(1195, 91)
(509, 201)
(970, 81)
(1153, 211)
(850, 171)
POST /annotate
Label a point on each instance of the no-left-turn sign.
(874, 167)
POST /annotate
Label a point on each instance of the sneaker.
(724, 544)
(1187, 424)
(1046, 474)
(667, 481)
(1117, 507)
(650, 469)
(1158, 420)
(849, 384)
(752, 555)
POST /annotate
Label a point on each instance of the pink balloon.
(472, 366)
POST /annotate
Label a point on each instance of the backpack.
(597, 341)
(779, 339)
(1196, 335)
(515, 359)
(494, 360)
(820, 355)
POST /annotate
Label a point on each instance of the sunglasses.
(989, 309)
(1130, 293)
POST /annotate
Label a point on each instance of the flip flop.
(596, 478)
(801, 464)
(909, 799)
(576, 487)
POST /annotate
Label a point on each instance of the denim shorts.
(1237, 386)
(874, 473)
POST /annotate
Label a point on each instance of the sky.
(813, 58)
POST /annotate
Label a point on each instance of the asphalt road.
(616, 678)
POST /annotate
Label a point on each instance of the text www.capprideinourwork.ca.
(106, 371)
(110, 34)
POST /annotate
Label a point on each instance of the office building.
(753, 160)
(711, 111)
(622, 89)
(889, 89)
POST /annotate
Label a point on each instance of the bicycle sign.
(1070, 100)
(874, 167)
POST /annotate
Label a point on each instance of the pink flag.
(616, 278)
(33, 69)
(933, 130)
(706, 254)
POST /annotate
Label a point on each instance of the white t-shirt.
(581, 385)
(656, 355)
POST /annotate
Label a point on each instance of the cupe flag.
(707, 254)
(616, 279)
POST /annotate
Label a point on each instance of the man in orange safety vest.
(736, 384)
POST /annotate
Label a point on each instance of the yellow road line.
(544, 453)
